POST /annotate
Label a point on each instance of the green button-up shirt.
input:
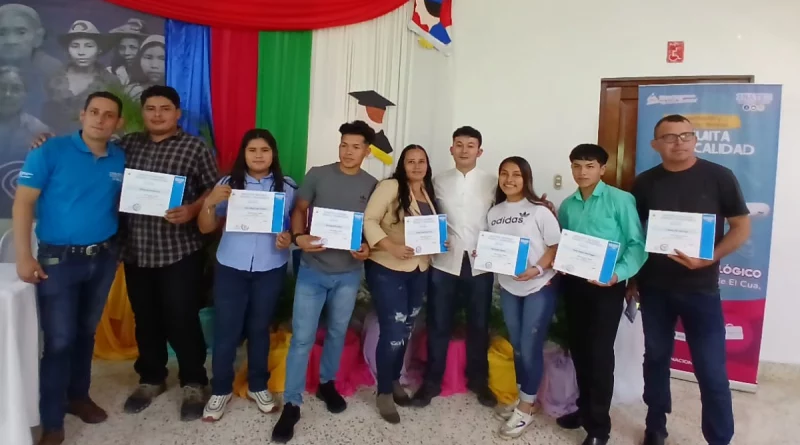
(610, 214)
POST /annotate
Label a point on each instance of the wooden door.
(619, 108)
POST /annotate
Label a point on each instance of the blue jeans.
(528, 321)
(447, 295)
(71, 301)
(315, 289)
(398, 299)
(702, 318)
(244, 303)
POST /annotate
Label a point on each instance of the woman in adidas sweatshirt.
(529, 299)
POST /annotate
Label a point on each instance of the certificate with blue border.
(586, 256)
(255, 211)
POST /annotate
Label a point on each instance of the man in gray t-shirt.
(325, 277)
(329, 187)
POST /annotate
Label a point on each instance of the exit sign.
(675, 52)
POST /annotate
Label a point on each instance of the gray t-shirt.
(327, 186)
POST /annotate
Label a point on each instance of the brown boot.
(87, 411)
(387, 408)
(52, 438)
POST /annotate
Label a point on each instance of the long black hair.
(527, 181)
(403, 191)
(237, 176)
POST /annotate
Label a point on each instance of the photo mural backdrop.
(53, 54)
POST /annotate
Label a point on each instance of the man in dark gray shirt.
(325, 276)
(672, 286)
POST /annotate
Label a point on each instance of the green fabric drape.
(284, 90)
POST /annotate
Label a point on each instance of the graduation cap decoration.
(374, 106)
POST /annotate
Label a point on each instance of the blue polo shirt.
(255, 252)
(79, 192)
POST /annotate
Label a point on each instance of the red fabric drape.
(234, 75)
(266, 15)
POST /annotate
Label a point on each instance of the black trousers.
(593, 315)
(165, 302)
(448, 294)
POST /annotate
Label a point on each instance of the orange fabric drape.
(115, 338)
(278, 350)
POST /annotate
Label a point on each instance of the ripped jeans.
(528, 321)
(398, 298)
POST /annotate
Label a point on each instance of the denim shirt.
(255, 252)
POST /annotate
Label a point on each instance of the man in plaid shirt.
(164, 257)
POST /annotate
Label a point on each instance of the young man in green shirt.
(594, 309)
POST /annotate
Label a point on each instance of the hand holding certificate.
(255, 211)
(149, 193)
(337, 229)
(503, 254)
(692, 234)
(586, 256)
(426, 234)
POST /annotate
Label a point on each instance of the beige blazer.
(380, 223)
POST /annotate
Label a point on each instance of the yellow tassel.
(424, 43)
(381, 155)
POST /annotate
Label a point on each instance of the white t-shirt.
(526, 220)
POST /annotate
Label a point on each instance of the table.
(19, 357)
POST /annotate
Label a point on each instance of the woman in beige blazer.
(397, 279)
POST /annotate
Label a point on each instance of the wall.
(527, 74)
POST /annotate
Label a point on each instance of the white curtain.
(374, 55)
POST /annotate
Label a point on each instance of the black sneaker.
(485, 395)
(143, 396)
(284, 429)
(424, 395)
(194, 402)
(571, 421)
(333, 400)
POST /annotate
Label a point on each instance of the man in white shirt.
(465, 194)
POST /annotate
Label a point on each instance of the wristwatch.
(540, 269)
(295, 236)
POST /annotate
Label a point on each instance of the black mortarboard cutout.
(375, 106)
(372, 99)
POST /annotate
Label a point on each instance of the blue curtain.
(189, 72)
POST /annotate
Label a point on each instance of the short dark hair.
(162, 91)
(589, 152)
(360, 128)
(469, 132)
(104, 95)
(673, 118)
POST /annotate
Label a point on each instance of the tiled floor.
(768, 417)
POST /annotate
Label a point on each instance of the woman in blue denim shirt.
(249, 275)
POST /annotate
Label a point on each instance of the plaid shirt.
(149, 241)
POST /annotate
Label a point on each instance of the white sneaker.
(503, 412)
(516, 425)
(264, 400)
(215, 407)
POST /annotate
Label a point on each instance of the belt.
(90, 250)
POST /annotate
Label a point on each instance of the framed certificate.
(253, 211)
(149, 193)
(691, 233)
(337, 229)
(502, 254)
(586, 256)
(426, 234)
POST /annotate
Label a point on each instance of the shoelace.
(216, 401)
(263, 397)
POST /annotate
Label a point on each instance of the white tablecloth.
(19, 358)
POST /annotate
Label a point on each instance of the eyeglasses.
(672, 138)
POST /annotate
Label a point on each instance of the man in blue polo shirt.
(72, 184)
